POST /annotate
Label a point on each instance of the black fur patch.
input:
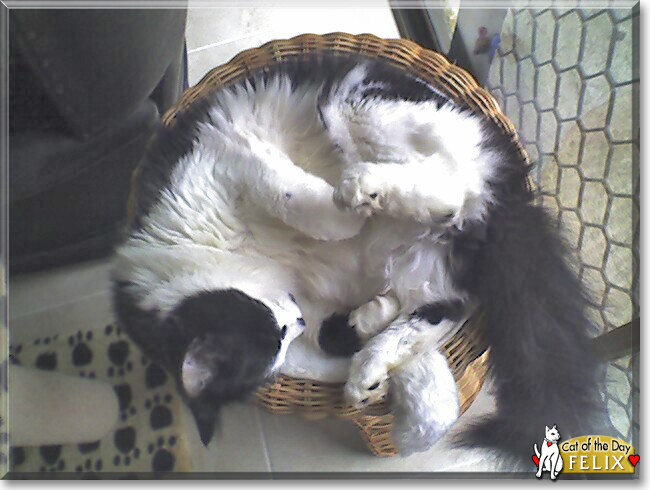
(434, 313)
(239, 334)
(534, 317)
(238, 339)
(336, 337)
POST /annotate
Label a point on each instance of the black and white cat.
(350, 200)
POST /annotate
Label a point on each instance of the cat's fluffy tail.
(539, 335)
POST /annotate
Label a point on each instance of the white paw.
(424, 400)
(368, 380)
(374, 316)
(361, 190)
(364, 322)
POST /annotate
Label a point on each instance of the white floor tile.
(37, 292)
(202, 61)
(238, 446)
(216, 35)
(90, 312)
(208, 26)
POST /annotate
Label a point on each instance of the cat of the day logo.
(585, 454)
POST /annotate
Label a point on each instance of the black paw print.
(155, 376)
(112, 330)
(51, 458)
(88, 465)
(125, 442)
(160, 416)
(47, 361)
(44, 340)
(16, 456)
(118, 354)
(163, 459)
(124, 398)
(82, 355)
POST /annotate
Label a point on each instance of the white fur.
(404, 360)
(346, 218)
(194, 376)
(425, 401)
(372, 317)
(305, 360)
(392, 349)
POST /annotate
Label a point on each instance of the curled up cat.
(347, 201)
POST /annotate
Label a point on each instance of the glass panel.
(443, 19)
(566, 79)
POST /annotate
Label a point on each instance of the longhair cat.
(350, 200)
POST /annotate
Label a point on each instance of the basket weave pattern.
(466, 352)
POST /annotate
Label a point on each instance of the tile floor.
(215, 35)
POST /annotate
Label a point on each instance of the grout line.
(78, 299)
(226, 41)
(267, 453)
(50, 281)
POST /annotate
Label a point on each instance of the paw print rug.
(150, 435)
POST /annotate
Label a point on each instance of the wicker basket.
(466, 352)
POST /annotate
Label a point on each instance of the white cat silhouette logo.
(550, 458)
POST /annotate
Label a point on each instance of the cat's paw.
(374, 316)
(361, 190)
(365, 321)
(337, 338)
(368, 380)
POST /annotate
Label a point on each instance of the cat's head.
(235, 343)
(552, 434)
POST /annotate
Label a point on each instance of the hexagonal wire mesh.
(566, 80)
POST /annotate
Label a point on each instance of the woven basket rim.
(402, 52)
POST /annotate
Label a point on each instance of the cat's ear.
(546, 428)
(197, 369)
(555, 426)
(206, 417)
